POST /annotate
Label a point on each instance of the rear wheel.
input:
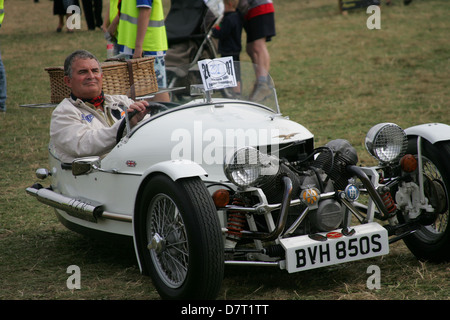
(179, 238)
(432, 241)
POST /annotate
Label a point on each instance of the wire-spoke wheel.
(167, 240)
(432, 241)
(179, 239)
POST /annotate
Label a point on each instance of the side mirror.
(85, 165)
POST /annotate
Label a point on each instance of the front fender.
(177, 169)
(433, 132)
(174, 169)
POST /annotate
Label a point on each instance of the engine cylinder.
(273, 186)
(334, 163)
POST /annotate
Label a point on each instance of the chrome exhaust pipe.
(76, 208)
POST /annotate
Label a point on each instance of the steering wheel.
(154, 108)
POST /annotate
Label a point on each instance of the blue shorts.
(160, 71)
(160, 63)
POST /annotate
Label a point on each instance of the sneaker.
(260, 92)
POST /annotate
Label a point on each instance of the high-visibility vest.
(155, 37)
(113, 9)
(2, 12)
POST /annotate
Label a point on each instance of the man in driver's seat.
(86, 123)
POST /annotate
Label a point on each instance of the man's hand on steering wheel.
(139, 108)
(136, 112)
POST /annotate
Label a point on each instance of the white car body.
(197, 139)
(150, 150)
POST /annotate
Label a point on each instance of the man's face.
(87, 79)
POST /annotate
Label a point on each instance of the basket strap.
(131, 78)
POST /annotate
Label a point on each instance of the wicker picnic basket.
(134, 77)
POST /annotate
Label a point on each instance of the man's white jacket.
(78, 130)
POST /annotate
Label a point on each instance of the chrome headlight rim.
(248, 167)
(386, 142)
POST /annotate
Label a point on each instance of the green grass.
(332, 74)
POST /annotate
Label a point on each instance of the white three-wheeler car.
(214, 178)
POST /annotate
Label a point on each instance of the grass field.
(333, 75)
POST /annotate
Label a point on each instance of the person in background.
(405, 2)
(259, 24)
(142, 33)
(109, 27)
(229, 33)
(86, 123)
(93, 13)
(2, 67)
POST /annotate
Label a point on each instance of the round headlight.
(248, 166)
(386, 142)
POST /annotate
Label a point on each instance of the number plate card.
(304, 252)
(217, 73)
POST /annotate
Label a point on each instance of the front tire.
(179, 238)
(432, 242)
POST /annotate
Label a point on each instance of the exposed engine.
(310, 177)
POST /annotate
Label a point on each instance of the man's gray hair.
(79, 54)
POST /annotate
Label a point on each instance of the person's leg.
(98, 7)
(258, 53)
(2, 86)
(88, 14)
(257, 50)
(260, 29)
(160, 71)
(60, 22)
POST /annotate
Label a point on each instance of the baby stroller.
(189, 26)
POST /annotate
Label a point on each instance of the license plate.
(304, 253)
